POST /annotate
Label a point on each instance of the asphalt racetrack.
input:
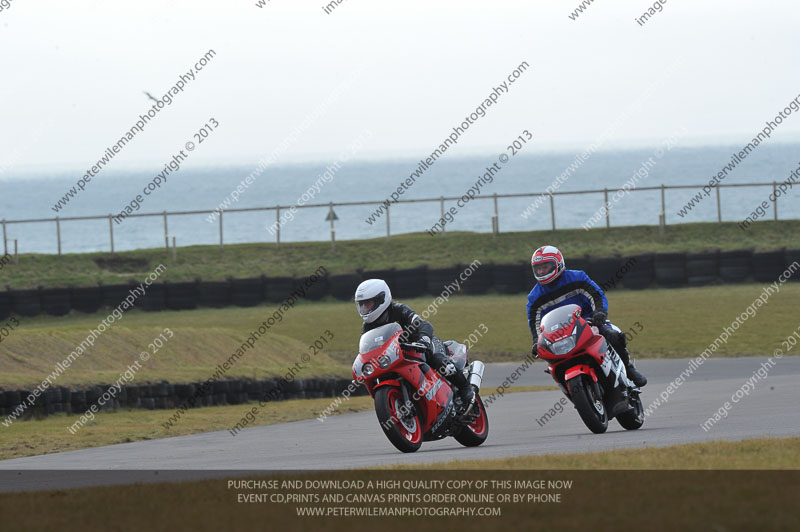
(356, 441)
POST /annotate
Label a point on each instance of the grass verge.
(763, 453)
(661, 323)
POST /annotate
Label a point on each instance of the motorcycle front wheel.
(402, 428)
(589, 406)
(634, 419)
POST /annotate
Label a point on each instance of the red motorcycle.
(412, 401)
(588, 371)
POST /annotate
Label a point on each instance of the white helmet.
(373, 297)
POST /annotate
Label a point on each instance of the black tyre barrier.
(247, 292)
(277, 289)
(314, 389)
(767, 266)
(439, 278)
(510, 278)
(215, 294)
(319, 287)
(669, 269)
(56, 301)
(6, 305)
(87, 299)
(26, 302)
(702, 268)
(792, 256)
(582, 263)
(603, 270)
(637, 272)
(272, 389)
(735, 266)
(114, 294)
(254, 390)
(165, 395)
(185, 391)
(93, 394)
(386, 275)
(343, 287)
(154, 299)
(295, 389)
(132, 396)
(51, 396)
(66, 396)
(699, 269)
(412, 282)
(121, 395)
(78, 401)
(479, 280)
(12, 398)
(162, 389)
(181, 296)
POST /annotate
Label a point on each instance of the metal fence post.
(58, 234)
(16, 253)
(5, 239)
(278, 224)
(441, 210)
(333, 229)
(388, 226)
(663, 204)
(608, 212)
(719, 207)
(174, 248)
(220, 230)
(552, 212)
(111, 233)
(166, 232)
(775, 195)
(496, 224)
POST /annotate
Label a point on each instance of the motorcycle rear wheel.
(476, 432)
(589, 406)
(404, 431)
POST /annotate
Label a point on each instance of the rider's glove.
(599, 318)
(449, 370)
(427, 341)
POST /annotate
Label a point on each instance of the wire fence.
(603, 213)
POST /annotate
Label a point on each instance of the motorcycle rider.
(375, 306)
(556, 286)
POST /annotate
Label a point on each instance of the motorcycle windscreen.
(558, 318)
(375, 338)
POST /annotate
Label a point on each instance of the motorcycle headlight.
(562, 347)
(384, 361)
(368, 369)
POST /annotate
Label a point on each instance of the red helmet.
(547, 263)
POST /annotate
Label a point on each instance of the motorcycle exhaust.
(476, 370)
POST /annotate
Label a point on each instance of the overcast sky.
(73, 74)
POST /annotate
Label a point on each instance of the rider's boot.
(633, 374)
(465, 390)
